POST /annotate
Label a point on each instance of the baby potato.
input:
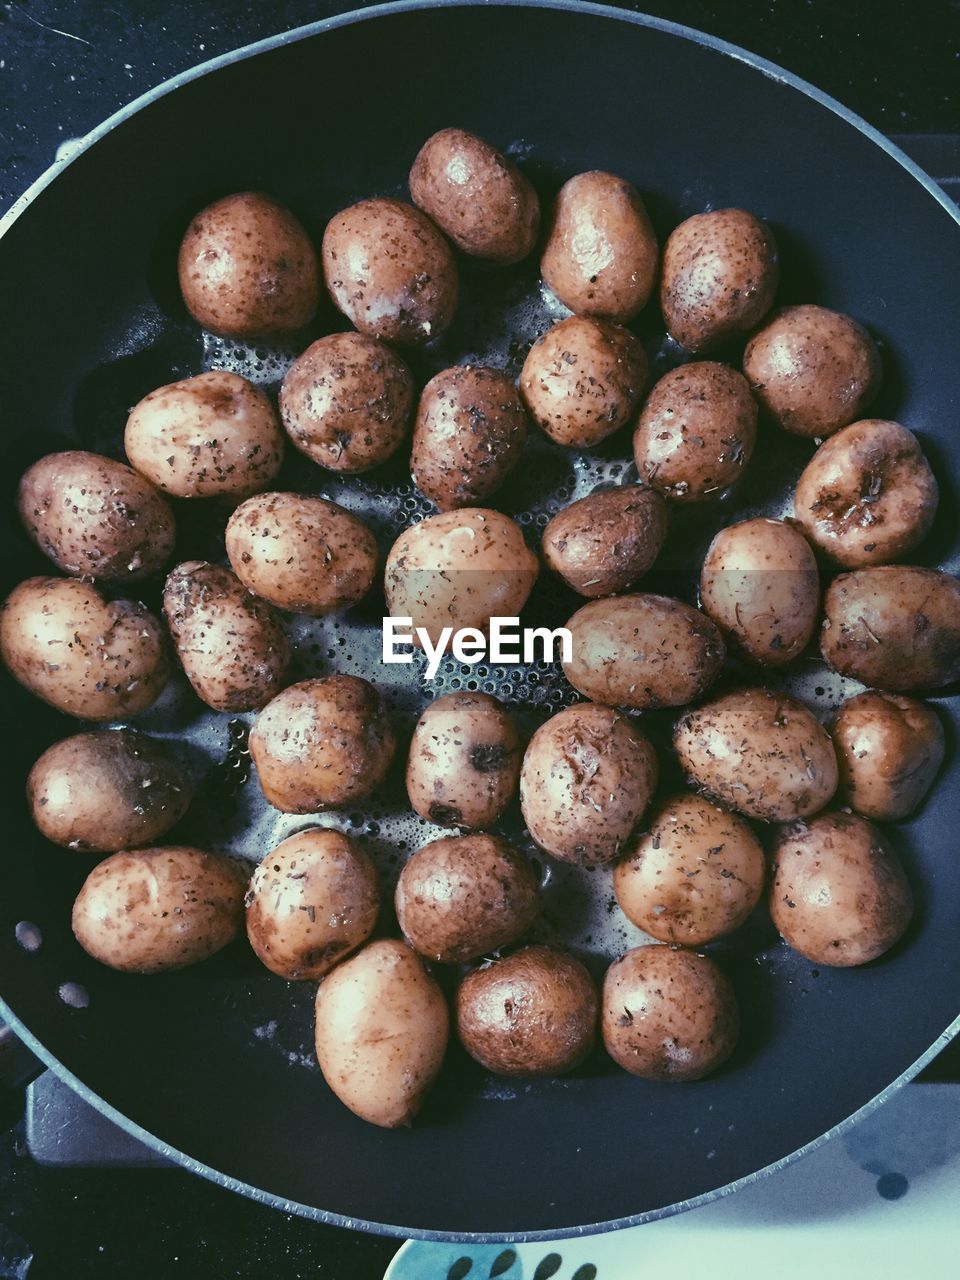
(381, 1032)
(697, 431)
(532, 1013)
(390, 271)
(159, 909)
(720, 273)
(890, 749)
(214, 435)
(301, 553)
(464, 761)
(312, 900)
(867, 495)
(583, 380)
(322, 744)
(894, 627)
(601, 255)
(643, 651)
(760, 585)
(468, 435)
(476, 195)
(247, 268)
(463, 896)
(230, 644)
(94, 517)
(838, 895)
(694, 876)
(812, 369)
(668, 1014)
(347, 401)
(608, 540)
(92, 658)
(101, 792)
(587, 777)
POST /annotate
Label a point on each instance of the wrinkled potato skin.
(583, 380)
(762, 753)
(322, 744)
(159, 909)
(532, 1013)
(312, 901)
(464, 762)
(601, 255)
(839, 895)
(587, 778)
(894, 627)
(230, 644)
(247, 268)
(91, 658)
(889, 749)
(668, 1014)
(210, 436)
(604, 543)
(694, 876)
(867, 496)
(477, 196)
(102, 792)
(813, 370)
(720, 273)
(381, 1033)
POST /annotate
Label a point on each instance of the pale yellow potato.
(890, 749)
(602, 544)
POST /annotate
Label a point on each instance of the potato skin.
(838, 895)
(247, 268)
(312, 901)
(476, 195)
(668, 1014)
(890, 749)
(159, 909)
(532, 1013)
(231, 645)
(604, 543)
(102, 792)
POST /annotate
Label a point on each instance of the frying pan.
(320, 117)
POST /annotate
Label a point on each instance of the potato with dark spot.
(604, 543)
(890, 749)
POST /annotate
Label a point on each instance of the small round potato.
(867, 496)
(720, 273)
(159, 909)
(231, 645)
(468, 435)
(587, 778)
(464, 761)
(247, 268)
(607, 541)
(668, 1014)
(890, 749)
(894, 627)
(101, 792)
(601, 255)
(210, 436)
(347, 402)
(812, 369)
(697, 431)
(583, 380)
(381, 1032)
(759, 752)
(322, 744)
(643, 651)
(390, 271)
(476, 195)
(463, 896)
(838, 895)
(694, 876)
(312, 900)
(760, 585)
(301, 553)
(92, 658)
(532, 1013)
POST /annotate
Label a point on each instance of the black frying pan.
(321, 118)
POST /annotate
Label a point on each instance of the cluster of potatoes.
(687, 869)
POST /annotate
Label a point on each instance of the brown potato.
(607, 541)
(890, 749)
